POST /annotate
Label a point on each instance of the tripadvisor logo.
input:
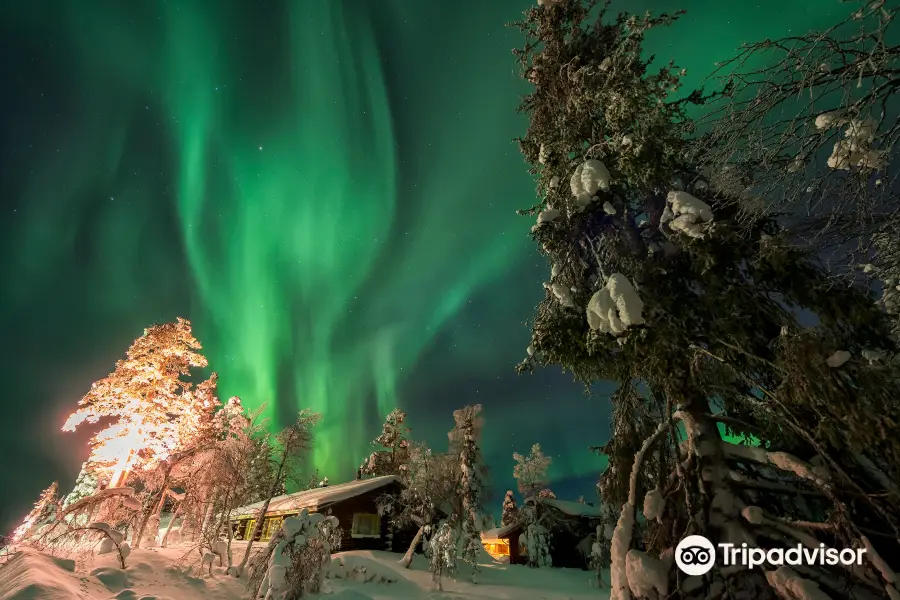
(696, 555)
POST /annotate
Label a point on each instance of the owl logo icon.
(695, 555)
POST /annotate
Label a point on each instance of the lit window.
(366, 526)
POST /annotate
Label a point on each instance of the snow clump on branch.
(589, 178)
(615, 307)
(855, 150)
(687, 214)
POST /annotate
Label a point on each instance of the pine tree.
(510, 510)
(530, 471)
(656, 285)
(154, 408)
(391, 454)
(464, 440)
(45, 509)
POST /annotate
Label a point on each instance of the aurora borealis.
(325, 188)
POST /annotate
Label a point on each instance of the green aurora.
(326, 188)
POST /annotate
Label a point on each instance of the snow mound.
(32, 576)
(113, 579)
(349, 594)
(360, 568)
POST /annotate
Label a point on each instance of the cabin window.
(366, 526)
(270, 527)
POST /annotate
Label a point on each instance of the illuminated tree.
(657, 284)
(46, 508)
(153, 407)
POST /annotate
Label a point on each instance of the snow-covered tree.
(391, 454)
(444, 554)
(464, 439)
(152, 405)
(535, 537)
(86, 484)
(546, 494)
(825, 162)
(197, 429)
(530, 471)
(510, 512)
(657, 285)
(292, 444)
(47, 508)
(295, 562)
(432, 485)
(261, 473)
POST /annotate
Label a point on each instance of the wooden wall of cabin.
(366, 504)
(389, 539)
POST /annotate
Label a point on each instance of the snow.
(548, 216)
(544, 155)
(573, 509)
(654, 503)
(615, 307)
(319, 498)
(608, 208)
(620, 546)
(357, 575)
(789, 584)
(687, 214)
(589, 178)
(563, 294)
(838, 359)
(646, 574)
(855, 150)
(828, 120)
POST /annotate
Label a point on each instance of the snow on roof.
(502, 532)
(318, 498)
(573, 509)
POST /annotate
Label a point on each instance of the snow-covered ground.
(150, 574)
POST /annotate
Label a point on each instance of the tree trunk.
(157, 508)
(723, 521)
(165, 537)
(207, 516)
(257, 527)
(407, 559)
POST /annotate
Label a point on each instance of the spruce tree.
(391, 454)
(464, 440)
(657, 285)
(509, 515)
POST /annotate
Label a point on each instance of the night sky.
(325, 188)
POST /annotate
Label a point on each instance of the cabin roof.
(573, 509)
(567, 507)
(317, 498)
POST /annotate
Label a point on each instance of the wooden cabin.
(497, 547)
(572, 524)
(355, 504)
